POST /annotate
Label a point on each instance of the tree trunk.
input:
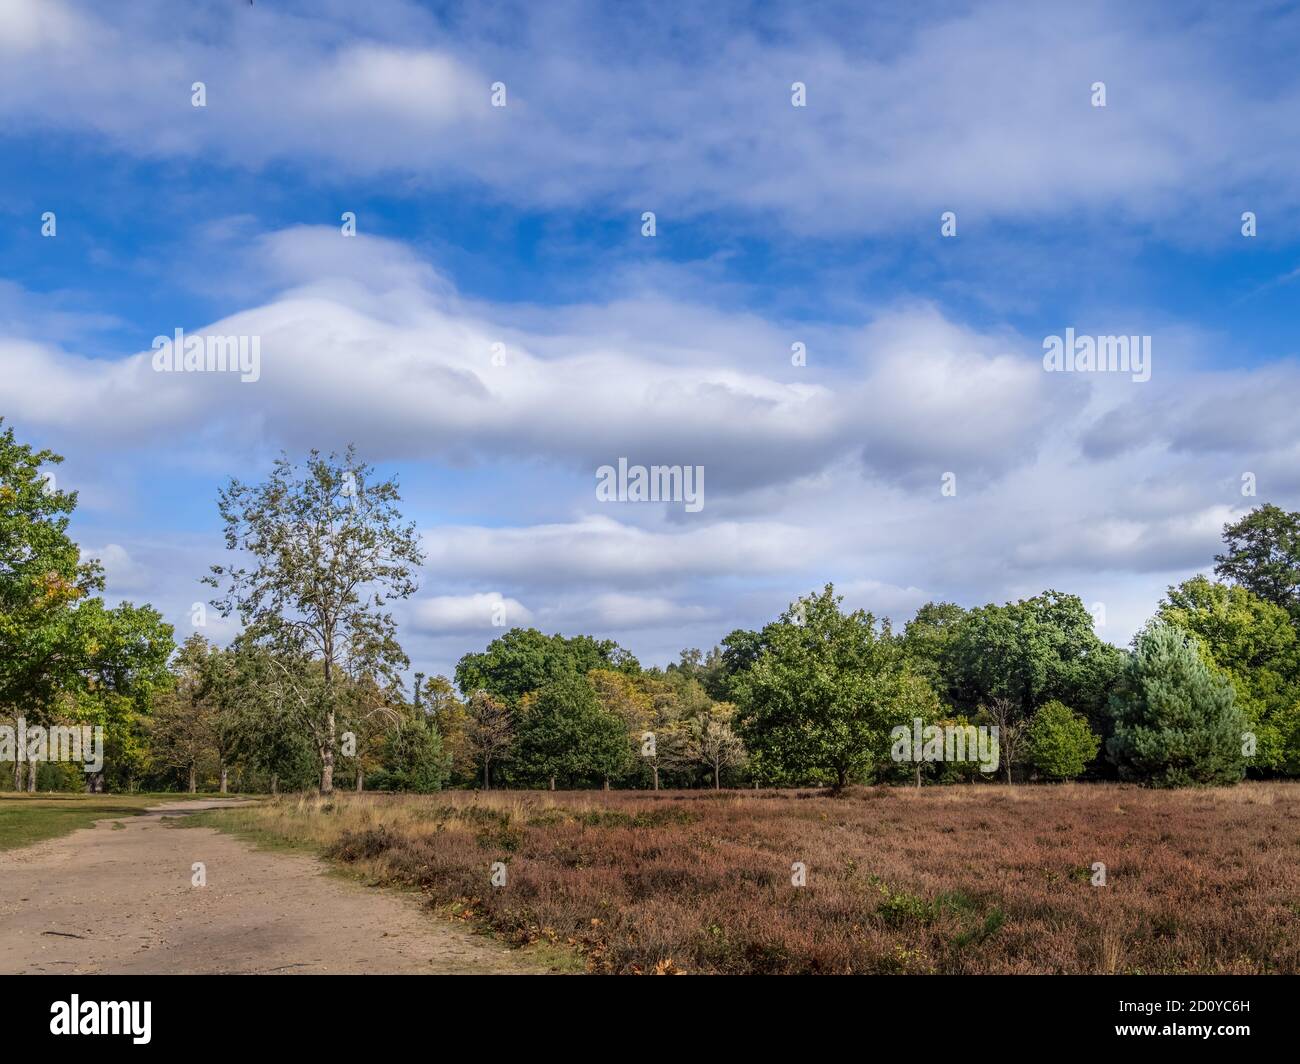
(327, 756)
(31, 777)
(606, 783)
(193, 781)
(18, 774)
(918, 775)
(655, 770)
(225, 778)
(552, 783)
(487, 779)
(717, 783)
(361, 779)
(1008, 771)
(275, 784)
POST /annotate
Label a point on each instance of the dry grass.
(952, 879)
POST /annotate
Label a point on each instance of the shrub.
(1060, 744)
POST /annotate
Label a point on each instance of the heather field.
(958, 879)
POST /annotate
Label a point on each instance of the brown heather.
(949, 879)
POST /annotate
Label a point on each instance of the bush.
(1059, 742)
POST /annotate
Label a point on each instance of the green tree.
(413, 758)
(1059, 742)
(61, 648)
(926, 640)
(1257, 645)
(525, 660)
(327, 552)
(489, 732)
(565, 737)
(269, 736)
(1010, 659)
(707, 739)
(1263, 556)
(628, 698)
(815, 704)
(183, 729)
(445, 712)
(1176, 720)
(915, 700)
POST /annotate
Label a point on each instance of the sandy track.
(117, 898)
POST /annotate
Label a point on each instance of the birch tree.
(323, 551)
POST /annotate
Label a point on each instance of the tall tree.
(927, 638)
(268, 729)
(815, 704)
(627, 698)
(58, 642)
(1263, 556)
(327, 552)
(184, 726)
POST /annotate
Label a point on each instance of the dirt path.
(117, 898)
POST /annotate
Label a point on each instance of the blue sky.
(776, 224)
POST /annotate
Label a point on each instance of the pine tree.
(1176, 720)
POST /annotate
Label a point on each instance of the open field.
(29, 818)
(949, 879)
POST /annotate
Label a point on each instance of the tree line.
(313, 691)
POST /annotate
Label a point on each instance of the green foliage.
(1059, 742)
(525, 660)
(1176, 720)
(815, 704)
(566, 737)
(1263, 556)
(927, 637)
(321, 552)
(1029, 652)
(707, 739)
(1255, 643)
(264, 717)
(63, 653)
(414, 759)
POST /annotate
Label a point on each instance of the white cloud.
(372, 344)
(123, 575)
(625, 612)
(984, 109)
(33, 25)
(478, 612)
(601, 549)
